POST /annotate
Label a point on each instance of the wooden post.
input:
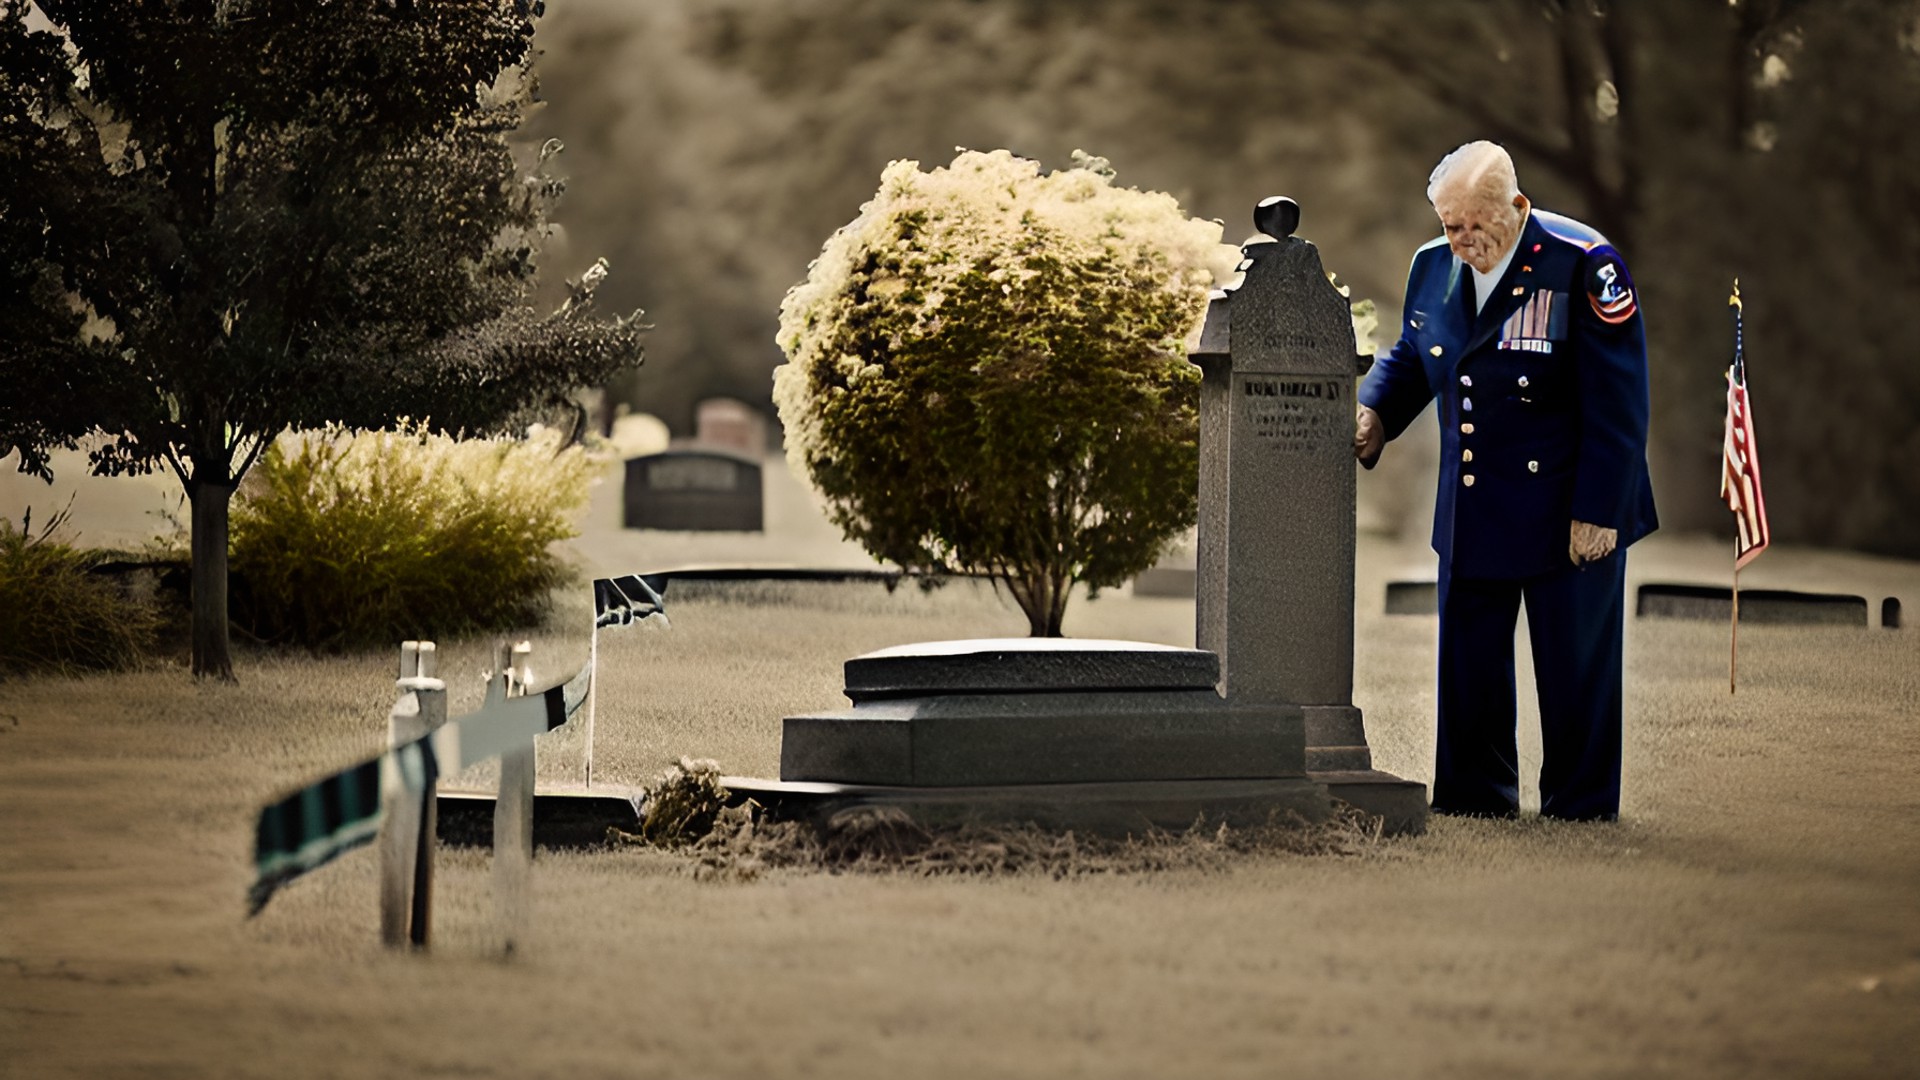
(399, 831)
(407, 839)
(1733, 638)
(431, 692)
(593, 693)
(513, 812)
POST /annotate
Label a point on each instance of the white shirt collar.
(1483, 284)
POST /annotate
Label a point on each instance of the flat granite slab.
(1109, 809)
(567, 816)
(564, 815)
(1781, 606)
(1060, 737)
(1026, 666)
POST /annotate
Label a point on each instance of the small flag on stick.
(1740, 480)
(1740, 458)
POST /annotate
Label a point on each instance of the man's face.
(1479, 228)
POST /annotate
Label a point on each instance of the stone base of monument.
(1339, 760)
(1401, 805)
(1105, 736)
(1115, 808)
(1336, 739)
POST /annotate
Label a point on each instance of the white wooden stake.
(399, 831)
(407, 839)
(593, 694)
(513, 813)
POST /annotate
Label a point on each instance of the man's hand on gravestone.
(1369, 436)
(1590, 542)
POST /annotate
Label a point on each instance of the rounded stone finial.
(1277, 216)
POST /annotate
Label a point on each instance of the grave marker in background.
(730, 424)
(694, 490)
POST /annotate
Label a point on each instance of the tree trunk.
(210, 499)
(1057, 613)
(1617, 35)
(1044, 602)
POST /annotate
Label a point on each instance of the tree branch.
(1616, 38)
(1454, 89)
(179, 467)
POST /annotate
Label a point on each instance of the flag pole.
(1736, 378)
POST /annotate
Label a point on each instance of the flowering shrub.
(986, 373)
(376, 537)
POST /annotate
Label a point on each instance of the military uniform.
(1543, 409)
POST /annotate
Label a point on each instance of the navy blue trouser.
(1574, 621)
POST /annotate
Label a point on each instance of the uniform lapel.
(1459, 309)
(1450, 324)
(1502, 304)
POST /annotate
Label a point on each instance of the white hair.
(1482, 168)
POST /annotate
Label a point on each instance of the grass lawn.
(1757, 913)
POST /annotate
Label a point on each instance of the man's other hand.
(1369, 436)
(1590, 542)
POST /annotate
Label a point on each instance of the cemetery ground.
(1753, 915)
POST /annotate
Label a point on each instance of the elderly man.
(1525, 328)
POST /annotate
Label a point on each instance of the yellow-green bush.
(345, 540)
(56, 614)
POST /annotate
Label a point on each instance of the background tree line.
(714, 145)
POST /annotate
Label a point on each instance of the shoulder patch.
(1609, 288)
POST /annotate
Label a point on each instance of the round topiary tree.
(986, 374)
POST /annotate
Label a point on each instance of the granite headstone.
(731, 424)
(694, 490)
(1276, 547)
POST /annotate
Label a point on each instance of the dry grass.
(1754, 914)
(887, 840)
(56, 615)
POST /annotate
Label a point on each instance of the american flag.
(1740, 456)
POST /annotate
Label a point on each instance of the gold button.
(1435, 350)
(1518, 289)
(1467, 479)
(1466, 429)
(1533, 466)
(1466, 455)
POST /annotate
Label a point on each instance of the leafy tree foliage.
(986, 374)
(1777, 141)
(220, 219)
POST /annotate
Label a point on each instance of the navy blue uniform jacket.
(1542, 399)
